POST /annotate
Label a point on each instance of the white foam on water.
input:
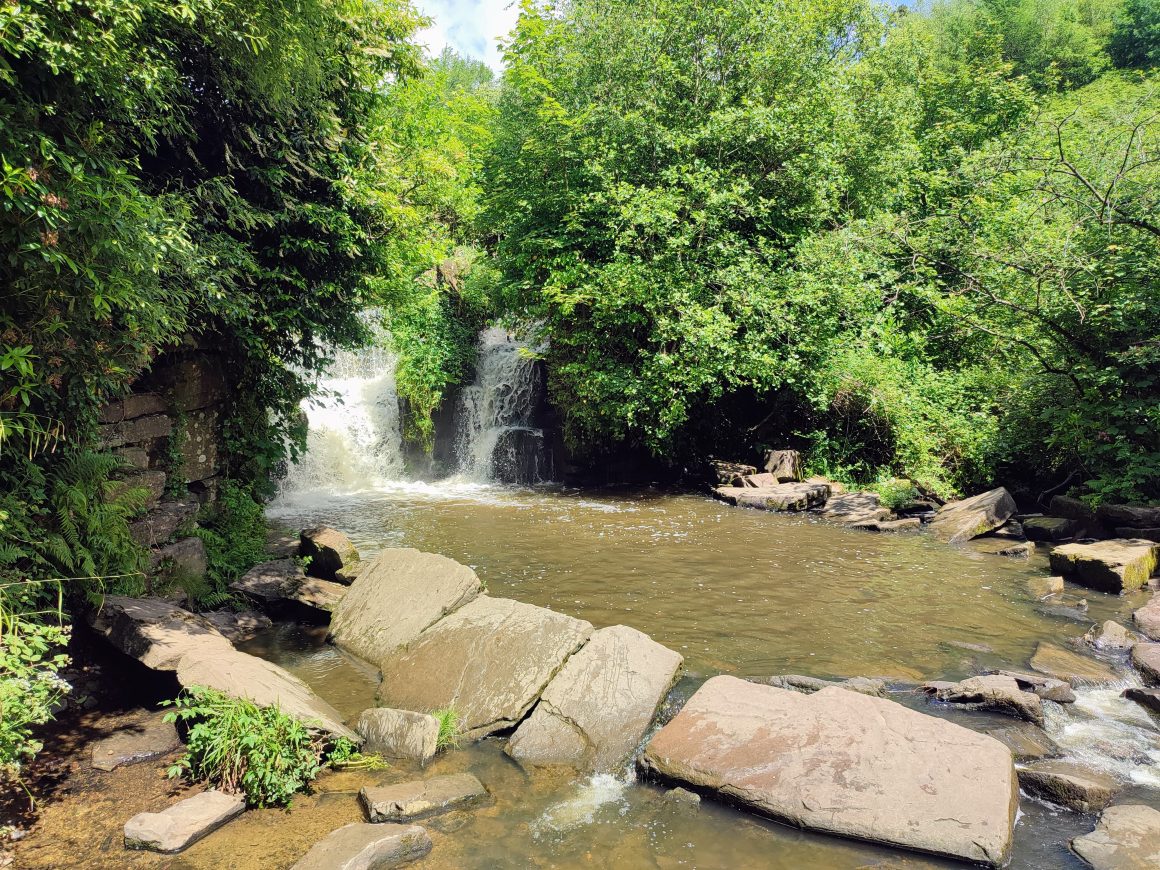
(600, 791)
(1107, 732)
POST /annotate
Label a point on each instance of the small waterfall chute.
(497, 438)
(355, 439)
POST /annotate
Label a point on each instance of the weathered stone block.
(329, 552)
(1068, 784)
(1118, 565)
(1126, 838)
(183, 824)
(1048, 528)
(139, 431)
(420, 798)
(399, 733)
(362, 846)
(132, 407)
(959, 521)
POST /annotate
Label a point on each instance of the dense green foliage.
(238, 747)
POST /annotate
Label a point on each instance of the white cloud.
(471, 27)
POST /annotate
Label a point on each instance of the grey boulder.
(1068, 784)
(412, 800)
(399, 733)
(594, 712)
(1126, 838)
(959, 521)
(362, 846)
(182, 824)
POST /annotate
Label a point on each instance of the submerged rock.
(184, 823)
(594, 712)
(330, 552)
(397, 595)
(846, 764)
(1149, 699)
(863, 685)
(1068, 784)
(421, 797)
(1027, 742)
(1147, 618)
(995, 692)
(362, 846)
(489, 661)
(399, 733)
(959, 521)
(1118, 565)
(1042, 587)
(152, 738)
(1055, 661)
(366, 846)
(683, 796)
(781, 497)
(1126, 838)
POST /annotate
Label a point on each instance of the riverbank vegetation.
(915, 243)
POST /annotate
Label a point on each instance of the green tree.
(1135, 40)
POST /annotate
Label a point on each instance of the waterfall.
(355, 437)
(496, 437)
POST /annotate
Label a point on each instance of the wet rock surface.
(396, 596)
(1149, 699)
(421, 798)
(362, 846)
(330, 552)
(1111, 637)
(779, 497)
(962, 520)
(1069, 784)
(799, 683)
(489, 660)
(846, 764)
(995, 692)
(1063, 664)
(1047, 688)
(1126, 838)
(1145, 658)
(1027, 742)
(399, 733)
(1118, 565)
(182, 824)
(594, 712)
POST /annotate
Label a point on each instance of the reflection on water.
(735, 591)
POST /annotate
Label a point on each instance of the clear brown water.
(734, 591)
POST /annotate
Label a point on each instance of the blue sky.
(471, 27)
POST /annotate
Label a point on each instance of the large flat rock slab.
(362, 846)
(241, 675)
(184, 823)
(150, 739)
(396, 596)
(421, 797)
(489, 661)
(595, 712)
(846, 764)
(778, 497)
(856, 507)
(959, 521)
(156, 633)
(1126, 838)
(1118, 565)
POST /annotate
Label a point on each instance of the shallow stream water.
(734, 591)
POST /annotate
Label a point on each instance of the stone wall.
(168, 434)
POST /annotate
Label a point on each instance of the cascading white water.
(496, 438)
(355, 440)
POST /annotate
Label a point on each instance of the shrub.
(449, 725)
(30, 659)
(234, 533)
(896, 493)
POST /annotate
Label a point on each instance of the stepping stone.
(1111, 637)
(362, 846)
(330, 552)
(184, 823)
(1126, 838)
(595, 711)
(489, 661)
(1055, 661)
(856, 507)
(1068, 784)
(284, 580)
(959, 521)
(399, 733)
(903, 525)
(419, 798)
(1146, 659)
(1147, 618)
(996, 692)
(397, 595)
(153, 738)
(1119, 565)
(844, 763)
(780, 497)
(1048, 529)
